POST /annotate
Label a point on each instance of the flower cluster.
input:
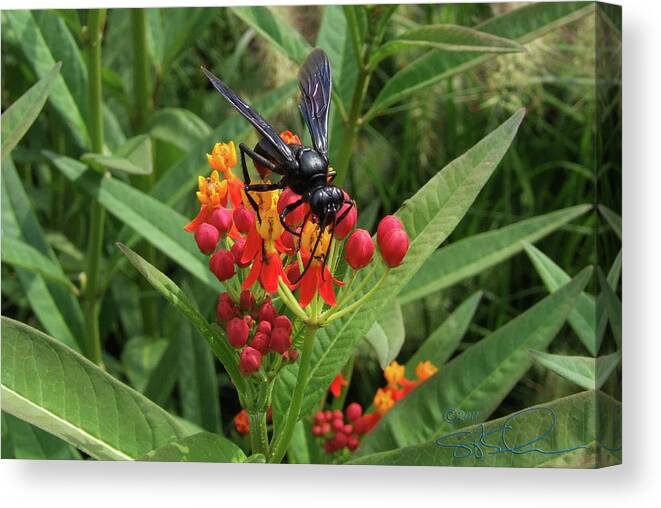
(339, 434)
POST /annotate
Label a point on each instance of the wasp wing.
(314, 80)
(262, 126)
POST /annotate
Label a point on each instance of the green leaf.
(21, 255)
(451, 38)
(30, 442)
(522, 25)
(588, 373)
(133, 157)
(443, 342)
(428, 217)
(159, 224)
(53, 305)
(202, 447)
(39, 56)
(180, 28)
(613, 219)
(275, 30)
(583, 318)
(386, 336)
(579, 431)
(212, 334)
(178, 127)
(612, 305)
(470, 256)
(477, 380)
(18, 118)
(50, 386)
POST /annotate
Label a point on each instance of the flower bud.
(237, 332)
(221, 219)
(337, 425)
(325, 428)
(347, 429)
(237, 252)
(316, 430)
(243, 219)
(329, 446)
(226, 309)
(360, 425)
(337, 414)
(280, 340)
(319, 418)
(260, 342)
(339, 441)
(291, 355)
(386, 224)
(359, 249)
(283, 322)
(246, 300)
(248, 320)
(352, 443)
(394, 246)
(328, 414)
(264, 327)
(250, 361)
(221, 264)
(294, 218)
(242, 422)
(207, 238)
(267, 312)
(343, 228)
(353, 411)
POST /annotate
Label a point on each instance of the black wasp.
(304, 169)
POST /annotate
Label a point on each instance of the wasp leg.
(322, 227)
(330, 243)
(287, 210)
(246, 176)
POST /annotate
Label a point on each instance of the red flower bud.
(221, 264)
(339, 441)
(291, 355)
(295, 218)
(237, 332)
(221, 219)
(246, 300)
(337, 424)
(237, 252)
(353, 411)
(243, 219)
(267, 312)
(250, 361)
(226, 309)
(352, 443)
(316, 430)
(386, 224)
(260, 342)
(283, 322)
(325, 428)
(394, 245)
(360, 426)
(342, 229)
(328, 414)
(319, 418)
(337, 414)
(249, 321)
(280, 340)
(329, 446)
(347, 429)
(207, 238)
(264, 327)
(359, 249)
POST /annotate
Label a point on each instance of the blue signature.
(481, 442)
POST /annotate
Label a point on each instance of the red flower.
(359, 249)
(337, 384)
(266, 270)
(242, 422)
(394, 246)
(206, 237)
(250, 360)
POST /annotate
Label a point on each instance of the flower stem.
(140, 67)
(289, 300)
(284, 437)
(97, 214)
(332, 316)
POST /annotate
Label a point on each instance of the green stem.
(282, 443)
(259, 439)
(332, 316)
(97, 214)
(140, 67)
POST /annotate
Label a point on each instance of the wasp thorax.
(312, 163)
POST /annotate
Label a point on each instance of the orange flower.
(383, 400)
(242, 422)
(394, 374)
(337, 384)
(425, 370)
(317, 278)
(212, 192)
(223, 158)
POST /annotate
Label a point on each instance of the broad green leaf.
(428, 217)
(178, 127)
(386, 336)
(275, 30)
(159, 224)
(522, 25)
(133, 157)
(586, 372)
(21, 255)
(50, 386)
(451, 38)
(613, 307)
(212, 334)
(40, 58)
(151, 366)
(615, 272)
(18, 118)
(470, 256)
(443, 342)
(583, 319)
(30, 442)
(53, 305)
(477, 380)
(579, 431)
(202, 447)
(181, 26)
(198, 386)
(613, 219)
